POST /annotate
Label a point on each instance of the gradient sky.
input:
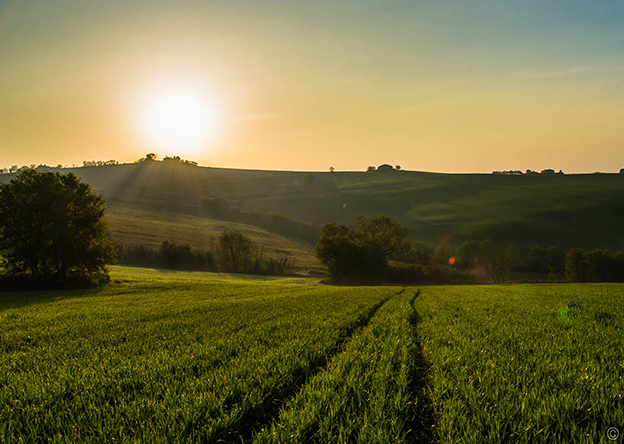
(449, 86)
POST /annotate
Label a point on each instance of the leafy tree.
(537, 259)
(331, 169)
(370, 169)
(347, 258)
(360, 255)
(422, 252)
(468, 254)
(497, 265)
(555, 258)
(233, 251)
(385, 232)
(576, 266)
(442, 253)
(53, 227)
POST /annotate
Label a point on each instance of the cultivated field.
(200, 357)
(574, 210)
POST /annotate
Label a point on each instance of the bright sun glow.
(179, 119)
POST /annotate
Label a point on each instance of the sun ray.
(178, 119)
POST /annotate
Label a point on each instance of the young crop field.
(524, 363)
(200, 357)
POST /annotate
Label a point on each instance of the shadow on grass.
(24, 296)
(421, 419)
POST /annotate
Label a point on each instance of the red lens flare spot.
(452, 260)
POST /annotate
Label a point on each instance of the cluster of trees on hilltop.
(94, 163)
(231, 252)
(14, 169)
(152, 157)
(529, 172)
(385, 168)
(41, 167)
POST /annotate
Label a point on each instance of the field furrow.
(166, 359)
(524, 363)
(364, 393)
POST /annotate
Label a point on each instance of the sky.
(446, 86)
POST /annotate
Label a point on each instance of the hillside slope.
(563, 210)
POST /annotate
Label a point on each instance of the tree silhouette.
(53, 227)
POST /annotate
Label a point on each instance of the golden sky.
(449, 86)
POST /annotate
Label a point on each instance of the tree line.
(377, 250)
(53, 231)
(230, 252)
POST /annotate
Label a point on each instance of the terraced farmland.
(200, 357)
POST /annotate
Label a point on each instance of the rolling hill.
(154, 201)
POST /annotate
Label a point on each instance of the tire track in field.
(266, 412)
(421, 421)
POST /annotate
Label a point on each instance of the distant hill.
(563, 210)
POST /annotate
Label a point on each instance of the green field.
(200, 357)
(152, 202)
(568, 211)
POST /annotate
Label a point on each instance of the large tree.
(53, 227)
(361, 255)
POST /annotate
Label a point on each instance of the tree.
(331, 169)
(360, 255)
(576, 266)
(384, 231)
(54, 229)
(347, 258)
(370, 169)
(497, 266)
(468, 254)
(233, 251)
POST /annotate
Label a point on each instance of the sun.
(179, 119)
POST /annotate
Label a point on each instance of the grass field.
(524, 363)
(200, 357)
(563, 210)
(578, 210)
